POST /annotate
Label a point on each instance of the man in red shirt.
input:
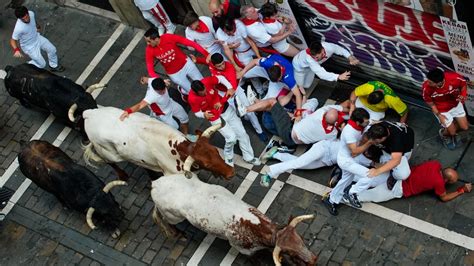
(175, 62)
(206, 102)
(218, 66)
(424, 177)
(445, 92)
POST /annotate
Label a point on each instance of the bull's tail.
(156, 216)
(90, 155)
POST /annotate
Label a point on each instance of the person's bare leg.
(284, 100)
(261, 106)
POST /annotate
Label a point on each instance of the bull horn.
(71, 112)
(94, 87)
(187, 167)
(212, 129)
(300, 218)
(112, 184)
(89, 214)
(276, 256)
(3, 74)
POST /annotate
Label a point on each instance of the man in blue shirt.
(279, 70)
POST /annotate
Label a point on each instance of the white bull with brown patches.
(148, 143)
(216, 210)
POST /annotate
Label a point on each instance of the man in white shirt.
(350, 148)
(154, 12)
(256, 30)
(31, 42)
(308, 62)
(161, 106)
(201, 31)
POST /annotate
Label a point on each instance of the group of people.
(244, 45)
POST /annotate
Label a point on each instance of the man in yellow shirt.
(376, 97)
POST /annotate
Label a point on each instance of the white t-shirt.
(310, 129)
(349, 135)
(207, 39)
(26, 33)
(304, 60)
(259, 34)
(272, 27)
(239, 37)
(163, 101)
(146, 4)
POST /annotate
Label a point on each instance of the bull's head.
(106, 209)
(206, 156)
(288, 241)
(72, 110)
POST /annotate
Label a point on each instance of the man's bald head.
(331, 116)
(215, 8)
(450, 175)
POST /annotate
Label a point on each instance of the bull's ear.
(198, 132)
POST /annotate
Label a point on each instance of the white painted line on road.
(263, 207)
(392, 215)
(24, 186)
(207, 242)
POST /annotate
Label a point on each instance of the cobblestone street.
(39, 230)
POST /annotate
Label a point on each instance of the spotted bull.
(37, 87)
(73, 185)
(215, 210)
(148, 143)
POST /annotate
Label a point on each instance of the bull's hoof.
(116, 234)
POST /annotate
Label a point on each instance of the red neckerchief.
(156, 109)
(340, 119)
(248, 22)
(355, 126)
(282, 69)
(225, 7)
(309, 52)
(268, 20)
(202, 27)
(327, 128)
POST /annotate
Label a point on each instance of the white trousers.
(316, 157)
(185, 75)
(232, 132)
(34, 52)
(304, 78)
(255, 73)
(176, 111)
(381, 193)
(400, 172)
(159, 11)
(350, 167)
(252, 117)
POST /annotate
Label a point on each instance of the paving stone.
(149, 256)
(389, 243)
(374, 243)
(127, 203)
(130, 248)
(132, 213)
(147, 208)
(324, 256)
(142, 248)
(161, 256)
(356, 250)
(339, 255)
(325, 233)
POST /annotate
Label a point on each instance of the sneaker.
(352, 199)
(285, 149)
(330, 206)
(262, 136)
(251, 96)
(254, 161)
(191, 137)
(229, 161)
(457, 140)
(270, 153)
(447, 143)
(241, 109)
(59, 68)
(451, 143)
(265, 180)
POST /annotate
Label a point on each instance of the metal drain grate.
(5, 195)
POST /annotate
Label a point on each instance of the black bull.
(37, 87)
(73, 185)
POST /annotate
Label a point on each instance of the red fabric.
(225, 7)
(269, 50)
(160, 17)
(329, 128)
(354, 125)
(268, 20)
(248, 21)
(169, 54)
(207, 102)
(424, 177)
(156, 109)
(445, 98)
(237, 61)
(340, 119)
(229, 73)
(202, 27)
